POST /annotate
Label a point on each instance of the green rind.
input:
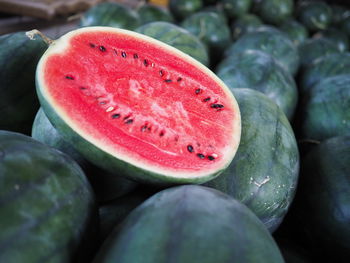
(19, 56)
(271, 41)
(276, 11)
(194, 225)
(315, 48)
(259, 71)
(314, 15)
(325, 191)
(324, 67)
(151, 13)
(107, 186)
(184, 8)
(295, 30)
(345, 26)
(326, 109)
(177, 37)
(111, 14)
(245, 24)
(264, 172)
(211, 29)
(47, 206)
(236, 8)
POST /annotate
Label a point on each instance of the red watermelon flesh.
(141, 101)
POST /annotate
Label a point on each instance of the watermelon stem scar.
(31, 34)
(132, 104)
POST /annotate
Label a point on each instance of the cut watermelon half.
(138, 107)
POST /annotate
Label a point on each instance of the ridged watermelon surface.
(190, 224)
(264, 173)
(47, 207)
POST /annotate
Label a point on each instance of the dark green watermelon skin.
(345, 26)
(194, 224)
(314, 48)
(276, 11)
(336, 36)
(257, 70)
(48, 211)
(236, 8)
(106, 185)
(111, 14)
(325, 202)
(339, 14)
(245, 24)
(271, 41)
(151, 13)
(315, 15)
(211, 29)
(184, 8)
(295, 30)
(326, 109)
(177, 37)
(264, 173)
(18, 101)
(324, 67)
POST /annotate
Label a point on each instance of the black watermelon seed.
(201, 156)
(168, 80)
(161, 73)
(102, 102)
(123, 54)
(92, 45)
(179, 79)
(115, 116)
(69, 77)
(127, 117)
(145, 62)
(211, 158)
(216, 106)
(206, 99)
(102, 48)
(136, 56)
(190, 148)
(197, 91)
(143, 128)
(161, 133)
(129, 121)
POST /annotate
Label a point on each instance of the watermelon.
(151, 13)
(339, 14)
(264, 173)
(184, 8)
(324, 67)
(276, 11)
(295, 30)
(103, 88)
(314, 48)
(326, 109)
(19, 56)
(315, 15)
(111, 14)
(211, 29)
(194, 224)
(336, 36)
(106, 186)
(177, 37)
(245, 24)
(48, 211)
(345, 26)
(271, 41)
(257, 70)
(236, 8)
(324, 202)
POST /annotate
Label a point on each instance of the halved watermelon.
(131, 103)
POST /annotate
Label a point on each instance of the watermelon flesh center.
(141, 101)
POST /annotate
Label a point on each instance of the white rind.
(60, 45)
